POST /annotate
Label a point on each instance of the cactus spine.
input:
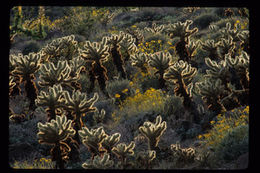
(99, 162)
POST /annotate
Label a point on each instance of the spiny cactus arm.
(139, 59)
(26, 64)
(211, 88)
(122, 150)
(155, 29)
(99, 116)
(230, 32)
(53, 98)
(128, 43)
(116, 39)
(109, 141)
(78, 102)
(76, 65)
(147, 155)
(217, 70)
(55, 131)
(92, 138)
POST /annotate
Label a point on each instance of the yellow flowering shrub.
(225, 123)
(150, 100)
(42, 163)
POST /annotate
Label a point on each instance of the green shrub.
(204, 20)
(234, 143)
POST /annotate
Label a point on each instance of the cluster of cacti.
(182, 155)
(155, 29)
(203, 85)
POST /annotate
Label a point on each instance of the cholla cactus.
(228, 32)
(114, 43)
(145, 158)
(182, 31)
(99, 116)
(183, 155)
(153, 132)
(191, 47)
(51, 74)
(241, 66)
(78, 105)
(244, 37)
(155, 29)
(11, 84)
(99, 162)
(181, 73)
(55, 133)
(140, 60)
(77, 66)
(25, 68)
(64, 48)
(122, 151)
(52, 99)
(128, 46)
(212, 92)
(93, 139)
(97, 53)
(212, 48)
(110, 141)
(137, 35)
(227, 46)
(161, 62)
(219, 71)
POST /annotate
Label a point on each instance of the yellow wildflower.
(125, 90)
(117, 95)
(131, 83)
(133, 26)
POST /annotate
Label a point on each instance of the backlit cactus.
(92, 139)
(55, 133)
(227, 46)
(110, 141)
(99, 116)
(183, 155)
(122, 151)
(51, 74)
(53, 99)
(145, 158)
(160, 61)
(182, 31)
(97, 53)
(128, 46)
(136, 34)
(140, 60)
(212, 48)
(25, 67)
(212, 92)
(60, 49)
(181, 73)
(99, 162)
(78, 104)
(114, 49)
(153, 132)
(155, 29)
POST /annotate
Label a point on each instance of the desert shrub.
(173, 106)
(204, 20)
(151, 101)
(119, 88)
(233, 144)
(42, 163)
(224, 124)
(31, 46)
